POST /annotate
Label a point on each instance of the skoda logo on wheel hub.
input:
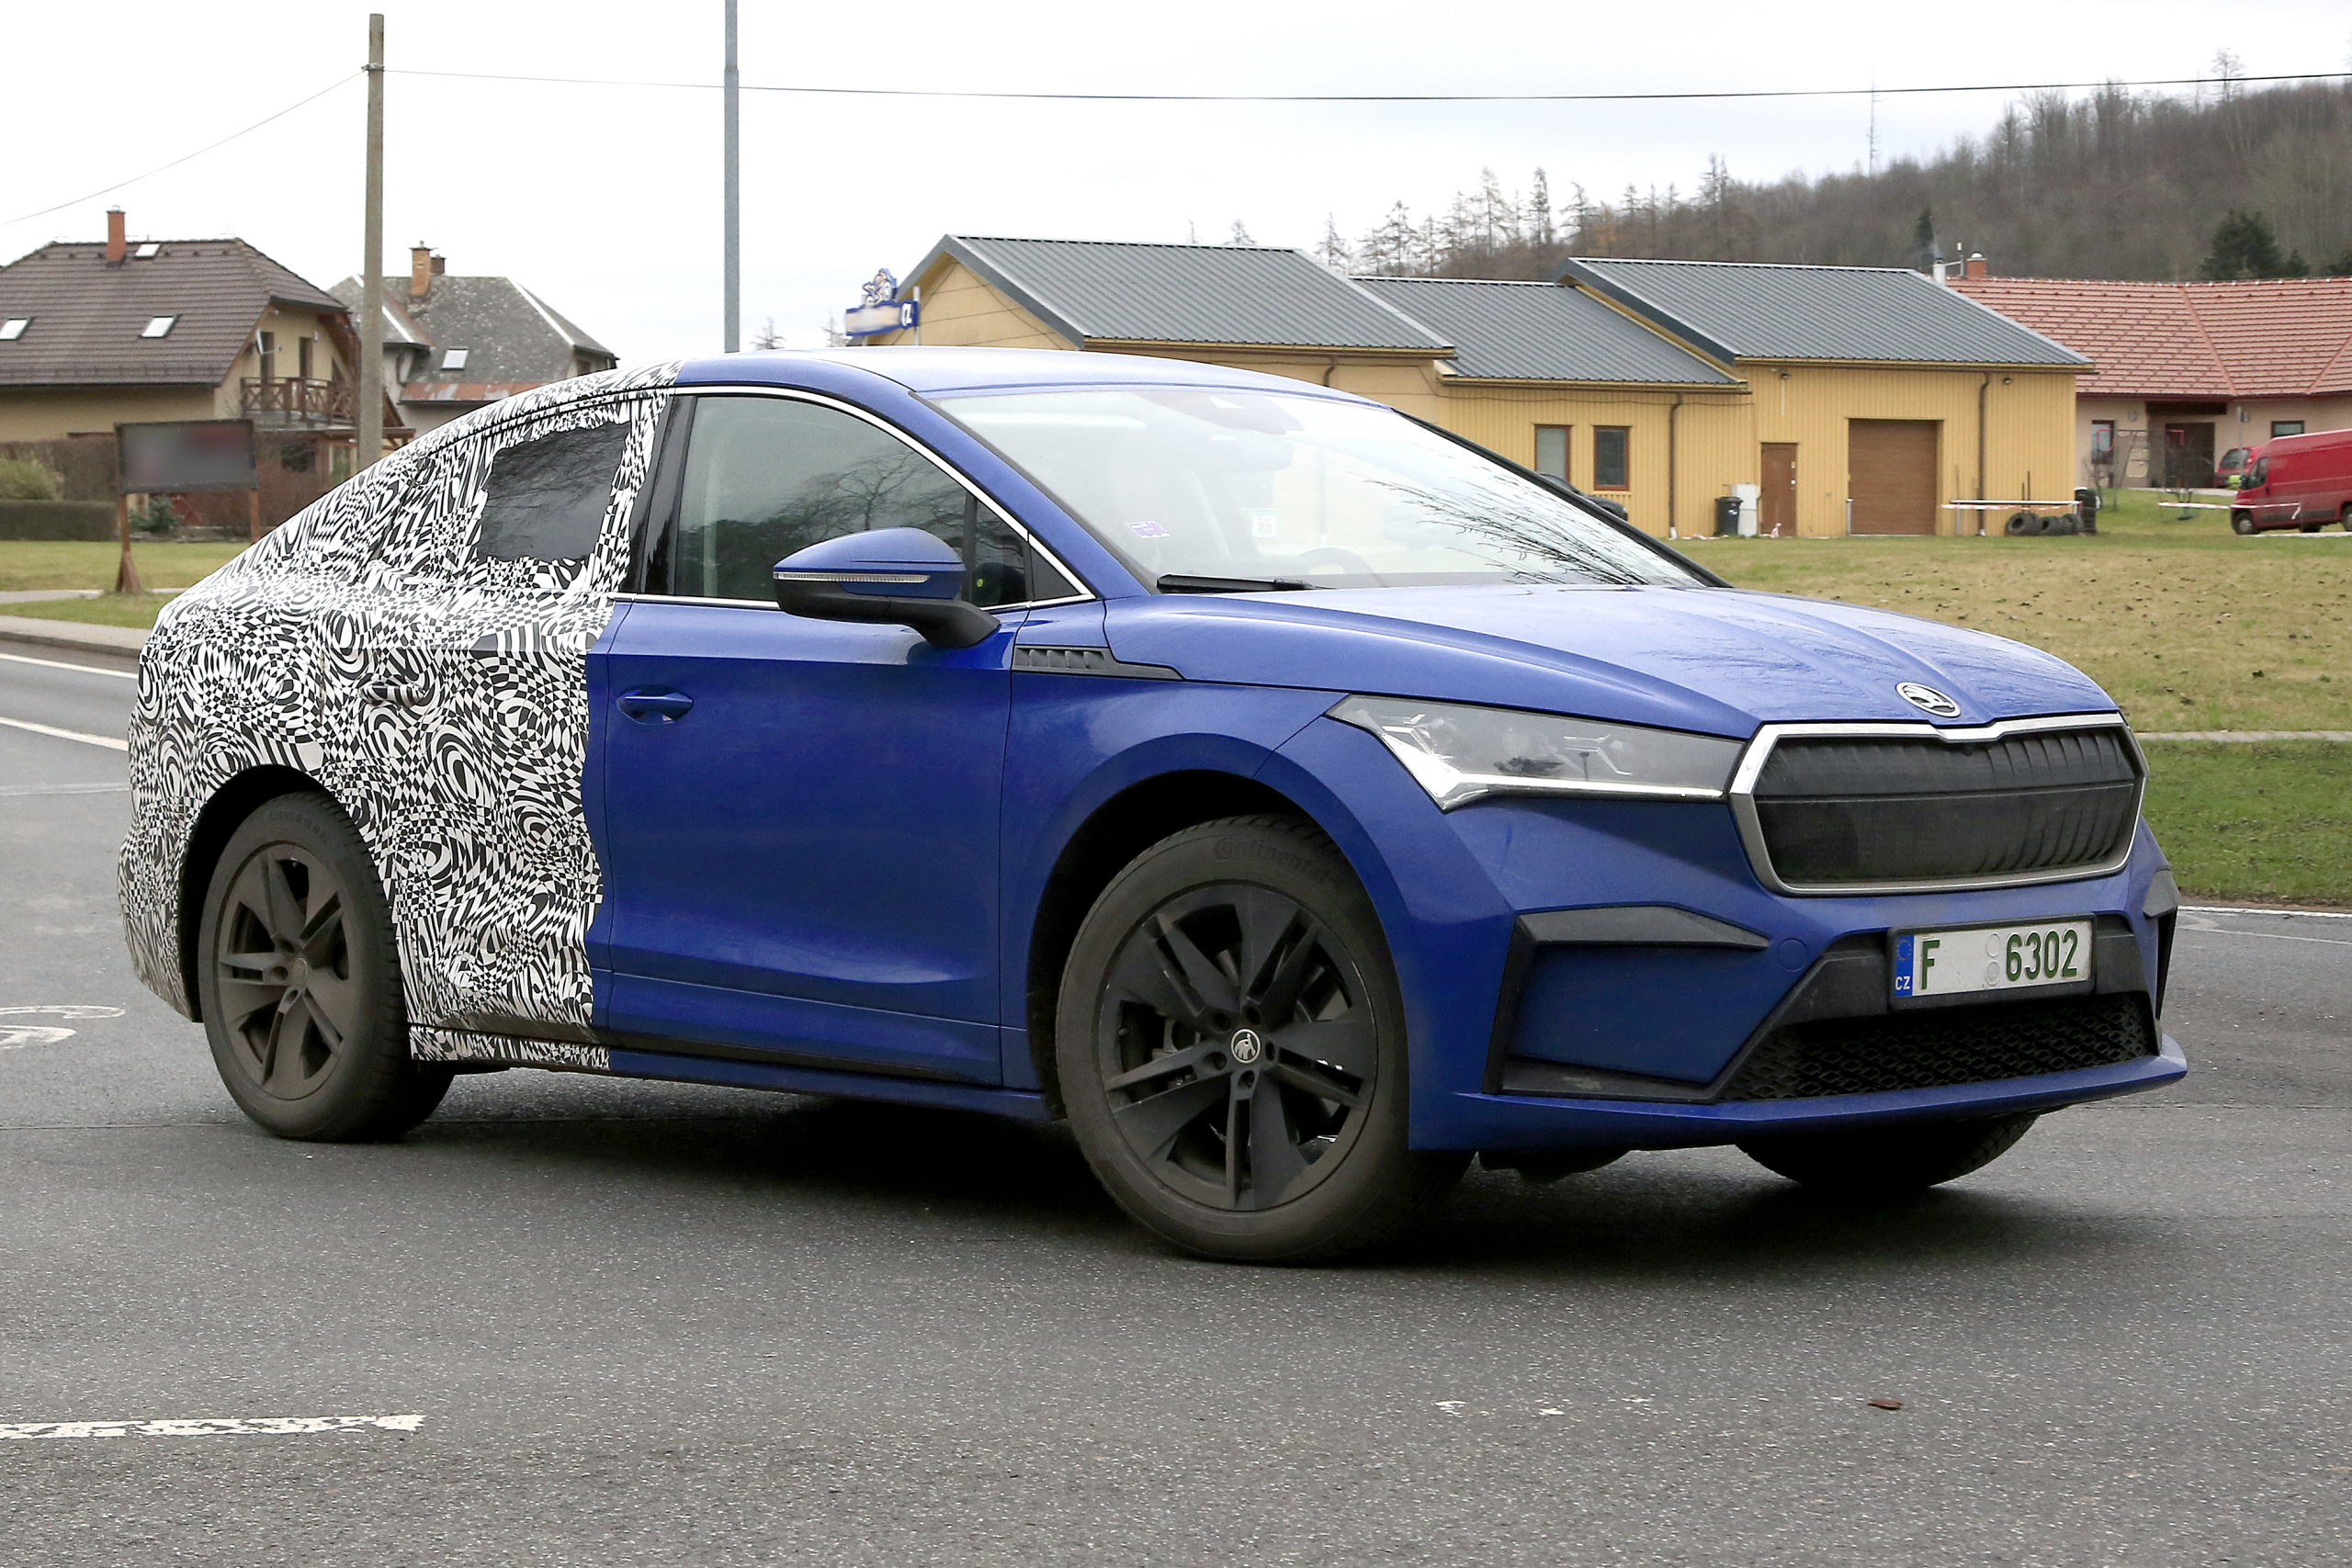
(1246, 1046)
(1928, 697)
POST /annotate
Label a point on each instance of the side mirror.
(895, 577)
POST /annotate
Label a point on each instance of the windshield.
(1240, 490)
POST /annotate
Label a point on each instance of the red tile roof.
(2279, 338)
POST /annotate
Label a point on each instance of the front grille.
(1941, 1048)
(1870, 809)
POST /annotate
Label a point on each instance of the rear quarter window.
(546, 498)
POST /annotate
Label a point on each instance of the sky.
(605, 201)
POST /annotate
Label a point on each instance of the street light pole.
(734, 177)
(369, 393)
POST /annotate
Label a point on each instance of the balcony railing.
(292, 401)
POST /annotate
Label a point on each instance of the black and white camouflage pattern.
(440, 697)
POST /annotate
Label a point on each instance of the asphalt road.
(646, 1325)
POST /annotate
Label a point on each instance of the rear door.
(801, 817)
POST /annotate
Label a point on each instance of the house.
(1861, 399)
(95, 334)
(2187, 371)
(452, 344)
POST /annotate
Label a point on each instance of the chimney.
(422, 265)
(117, 247)
(1975, 266)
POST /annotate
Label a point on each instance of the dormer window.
(454, 359)
(158, 326)
(13, 328)
(149, 251)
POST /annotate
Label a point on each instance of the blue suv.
(1296, 798)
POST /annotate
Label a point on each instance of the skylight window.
(149, 251)
(13, 328)
(160, 326)
(454, 359)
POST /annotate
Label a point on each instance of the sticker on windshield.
(1149, 530)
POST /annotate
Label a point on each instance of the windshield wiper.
(1183, 582)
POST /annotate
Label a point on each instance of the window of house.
(266, 352)
(765, 477)
(454, 359)
(1612, 445)
(158, 326)
(546, 498)
(1552, 451)
(2286, 427)
(13, 328)
(149, 251)
(2102, 440)
(302, 356)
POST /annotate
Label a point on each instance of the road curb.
(119, 642)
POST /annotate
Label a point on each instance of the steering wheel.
(1331, 555)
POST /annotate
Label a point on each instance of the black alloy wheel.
(300, 981)
(1231, 1049)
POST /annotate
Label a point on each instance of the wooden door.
(1891, 475)
(1779, 497)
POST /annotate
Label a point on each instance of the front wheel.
(2241, 522)
(301, 982)
(1887, 1161)
(1231, 1047)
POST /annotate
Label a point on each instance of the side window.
(546, 498)
(765, 477)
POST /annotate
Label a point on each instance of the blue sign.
(894, 315)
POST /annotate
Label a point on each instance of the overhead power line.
(109, 190)
(2229, 82)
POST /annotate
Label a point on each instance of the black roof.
(1757, 310)
(1539, 332)
(86, 314)
(1250, 295)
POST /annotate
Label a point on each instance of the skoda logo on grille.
(1928, 697)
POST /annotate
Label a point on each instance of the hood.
(1716, 660)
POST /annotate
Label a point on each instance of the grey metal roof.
(1754, 310)
(86, 314)
(1101, 291)
(1539, 332)
(510, 335)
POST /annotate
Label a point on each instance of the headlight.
(1460, 753)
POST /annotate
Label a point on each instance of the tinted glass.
(1609, 465)
(546, 498)
(1182, 482)
(766, 475)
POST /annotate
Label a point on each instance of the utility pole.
(734, 177)
(369, 393)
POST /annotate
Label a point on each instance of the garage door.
(1891, 475)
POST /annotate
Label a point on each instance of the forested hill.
(2117, 185)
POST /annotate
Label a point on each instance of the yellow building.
(1857, 398)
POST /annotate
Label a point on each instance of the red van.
(2297, 482)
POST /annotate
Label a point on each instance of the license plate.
(1992, 958)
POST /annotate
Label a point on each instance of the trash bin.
(1727, 516)
(1751, 501)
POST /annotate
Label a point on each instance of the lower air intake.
(1946, 1047)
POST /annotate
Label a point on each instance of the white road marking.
(210, 1426)
(66, 734)
(61, 664)
(2277, 914)
(11, 791)
(63, 1010)
(13, 1035)
(2208, 929)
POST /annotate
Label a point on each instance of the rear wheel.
(1231, 1048)
(300, 984)
(1890, 1160)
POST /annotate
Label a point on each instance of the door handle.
(652, 706)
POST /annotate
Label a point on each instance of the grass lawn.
(105, 610)
(2267, 820)
(2189, 625)
(77, 563)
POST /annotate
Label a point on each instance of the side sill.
(1019, 1105)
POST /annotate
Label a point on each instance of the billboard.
(183, 457)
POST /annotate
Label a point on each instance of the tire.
(2241, 522)
(2344, 521)
(300, 979)
(1231, 1047)
(1887, 1161)
(2022, 524)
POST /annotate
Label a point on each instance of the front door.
(2189, 455)
(800, 817)
(1779, 497)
